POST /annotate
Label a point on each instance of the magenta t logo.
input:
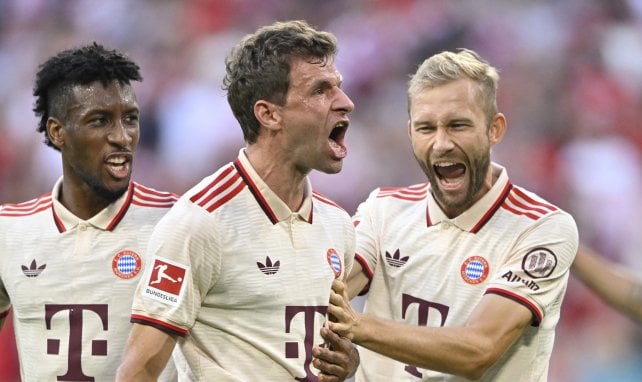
(292, 348)
(74, 352)
(423, 307)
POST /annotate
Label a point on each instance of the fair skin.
(304, 134)
(451, 138)
(612, 283)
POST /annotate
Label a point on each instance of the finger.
(329, 370)
(338, 286)
(334, 341)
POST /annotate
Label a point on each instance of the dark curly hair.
(79, 66)
(259, 67)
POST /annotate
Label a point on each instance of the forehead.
(456, 97)
(95, 94)
(305, 71)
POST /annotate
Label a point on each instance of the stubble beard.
(478, 170)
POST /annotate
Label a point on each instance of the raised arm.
(611, 282)
(146, 354)
(466, 351)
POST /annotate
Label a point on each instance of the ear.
(497, 129)
(268, 114)
(56, 132)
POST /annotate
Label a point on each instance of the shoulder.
(521, 202)
(144, 196)
(412, 193)
(215, 190)
(327, 201)
(386, 198)
(28, 208)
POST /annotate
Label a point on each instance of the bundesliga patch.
(334, 261)
(539, 263)
(474, 270)
(165, 281)
(126, 264)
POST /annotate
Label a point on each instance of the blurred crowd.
(571, 88)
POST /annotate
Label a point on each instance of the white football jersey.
(70, 282)
(426, 269)
(244, 279)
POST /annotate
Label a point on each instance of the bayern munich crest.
(474, 270)
(334, 261)
(126, 264)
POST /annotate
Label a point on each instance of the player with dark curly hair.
(70, 259)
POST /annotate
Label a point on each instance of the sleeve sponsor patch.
(539, 263)
(165, 281)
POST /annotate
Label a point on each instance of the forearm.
(611, 283)
(453, 350)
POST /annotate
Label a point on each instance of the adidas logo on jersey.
(268, 268)
(395, 260)
(33, 270)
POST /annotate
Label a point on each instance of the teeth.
(445, 164)
(341, 125)
(117, 160)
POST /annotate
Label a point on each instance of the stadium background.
(571, 88)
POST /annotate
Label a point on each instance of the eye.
(132, 118)
(98, 121)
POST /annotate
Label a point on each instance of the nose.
(120, 134)
(443, 141)
(344, 103)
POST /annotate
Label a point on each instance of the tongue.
(450, 172)
(338, 150)
(118, 171)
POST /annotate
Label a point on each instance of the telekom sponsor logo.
(165, 281)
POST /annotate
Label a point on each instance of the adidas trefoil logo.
(394, 260)
(268, 268)
(33, 270)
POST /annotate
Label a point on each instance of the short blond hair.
(446, 67)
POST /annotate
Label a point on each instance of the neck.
(282, 176)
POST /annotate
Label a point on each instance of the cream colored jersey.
(70, 282)
(244, 279)
(426, 269)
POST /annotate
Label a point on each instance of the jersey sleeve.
(536, 272)
(182, 265)
(364, 220)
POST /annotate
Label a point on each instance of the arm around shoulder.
(146, 354)
(610, 282)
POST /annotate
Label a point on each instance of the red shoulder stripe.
(27, 208)
(532, 201)
(520, 203)
(148, 197)
(413, 193)
(224, 173)
(322, 198)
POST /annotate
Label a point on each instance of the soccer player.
(467, 272)
(71, 258)
(252, 248)
(614, 284)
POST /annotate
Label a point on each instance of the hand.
(337, 359)
(345, 321)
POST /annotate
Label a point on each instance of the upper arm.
(146, 354)
(499, 321)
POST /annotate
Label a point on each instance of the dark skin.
(337, 364)
(97, 138)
